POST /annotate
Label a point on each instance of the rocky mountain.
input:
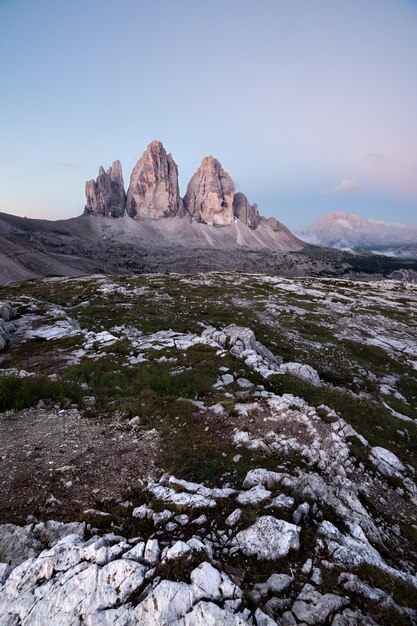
(153, 191)
(210, 193)
(151, 229)
(347, 230)
(106, 195)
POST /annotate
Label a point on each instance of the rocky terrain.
(92, 244)
(221, 448)
(347, 230)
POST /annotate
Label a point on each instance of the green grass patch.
(19, 393)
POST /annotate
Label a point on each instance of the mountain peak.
(153, 191)
(210, 194)
(106, 194)
(340, 229)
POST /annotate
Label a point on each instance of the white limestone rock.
(169, 601)
(191, 500)
(311, 607)
(354, 549)
(276, 583)
(255, 495)
(209, 614)
(23, 542)
(214, 585)
(233, 518)
(282, 502)
(143, 512)
(151, 552)
(260, 476)
(179, 549)
(262, 619)
(386, 462)
(136, 553)
(302, 371)
(269, 538)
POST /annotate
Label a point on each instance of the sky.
(310, 106)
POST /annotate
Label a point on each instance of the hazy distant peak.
(340, 229)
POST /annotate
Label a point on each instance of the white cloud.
(346, 186)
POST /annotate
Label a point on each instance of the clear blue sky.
(310, 106)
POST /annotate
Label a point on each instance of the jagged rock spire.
(153, 191)
(246, 212)
(106, 195)
(210, 193)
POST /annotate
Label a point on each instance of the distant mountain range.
(345, 230)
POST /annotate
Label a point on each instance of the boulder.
(312, 607)
(254, 496)
(106, 195)
(153, 190)
(269, 538)
(210, 193)
(302, 371)
(386, 462)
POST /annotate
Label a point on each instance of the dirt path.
(56, 463)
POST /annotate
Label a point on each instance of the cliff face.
(106, 195)
(210, 193)
(211, 199)
(153, 191)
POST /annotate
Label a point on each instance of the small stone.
(151, 554)
(177, 550)
(282, 502)
(233, 518)
(301, 512)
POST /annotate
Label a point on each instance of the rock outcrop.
(106, 195)
(210, 200)
(153, 191)
(246, 212)
(274, 224)
(7, 313)
(210, 193)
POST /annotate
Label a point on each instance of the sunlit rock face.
(210, 193)
(153, 191)
(106, 195)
